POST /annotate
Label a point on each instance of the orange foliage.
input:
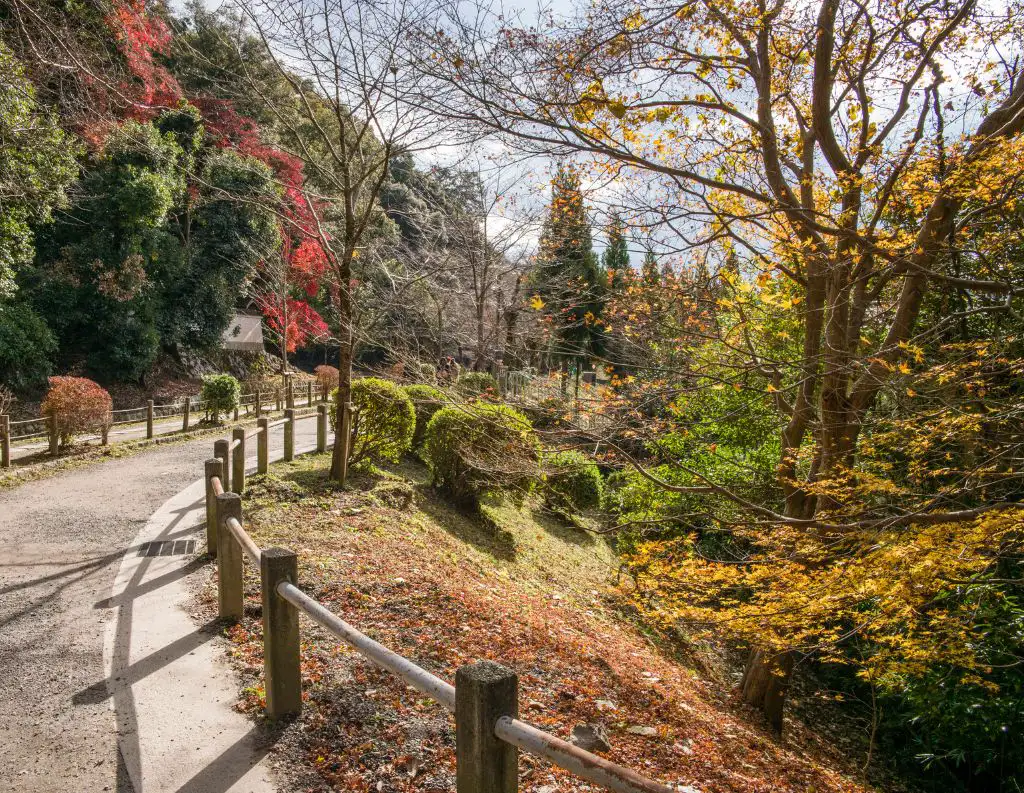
(327, 377)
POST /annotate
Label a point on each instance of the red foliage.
(78, 404)
(327, 376)
(308, 265)
(139, 37)
(296, 320)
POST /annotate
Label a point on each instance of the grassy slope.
(445, 588)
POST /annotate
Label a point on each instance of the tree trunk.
(765, 682)
(338, 467)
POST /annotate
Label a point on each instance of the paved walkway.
(135, 432)
(104, 671)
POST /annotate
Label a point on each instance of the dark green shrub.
(482, 448)
(26, 347)
(427, 400)
(573, 481)
(221, 393)
(384, 422)
(477, 384)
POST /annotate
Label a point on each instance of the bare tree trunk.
(765, 682)
(339, 467)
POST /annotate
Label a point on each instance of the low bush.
(482, 448)
(427, 400)
(477, 384)
(221, 393)
(573, 482)
(326, 377)
(384, 422)
(78, 405)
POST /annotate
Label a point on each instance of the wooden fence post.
(5, 441)
(282, 676)
(259, 403)
(222, 451)
(149, 418)
(263, 445)
(229, 558)
(309, 394)
(212, 469)
(321, 428)
(290, 393)
(484, 692)
(54, 435)
(277, 397)
(238, 460)
(188, 411)
(289, 434)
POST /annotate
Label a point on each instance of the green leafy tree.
(27, 347)
(37, 163)
(173, 230)
(616, 256)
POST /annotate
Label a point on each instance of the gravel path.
(61, 542)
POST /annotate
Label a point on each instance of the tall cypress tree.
(569, 279)
(649, 272)
(616, 255)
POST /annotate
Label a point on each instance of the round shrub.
(326, 377)
(384, 422)
(573, 481)
(482, 448)
(221, 393)
(78, 405)
(477, 384)
(427, 400)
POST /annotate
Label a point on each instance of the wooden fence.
(484, 699)
(256, 403)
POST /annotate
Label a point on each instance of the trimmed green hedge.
(221, 393)
(477, 384)
(383, 426)
(482, 448)
(573, 481)
(427, 400)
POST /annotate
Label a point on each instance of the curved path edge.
(170, 684)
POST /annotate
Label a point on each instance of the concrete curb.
(168, 680)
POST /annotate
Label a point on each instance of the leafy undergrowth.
(445, 588)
